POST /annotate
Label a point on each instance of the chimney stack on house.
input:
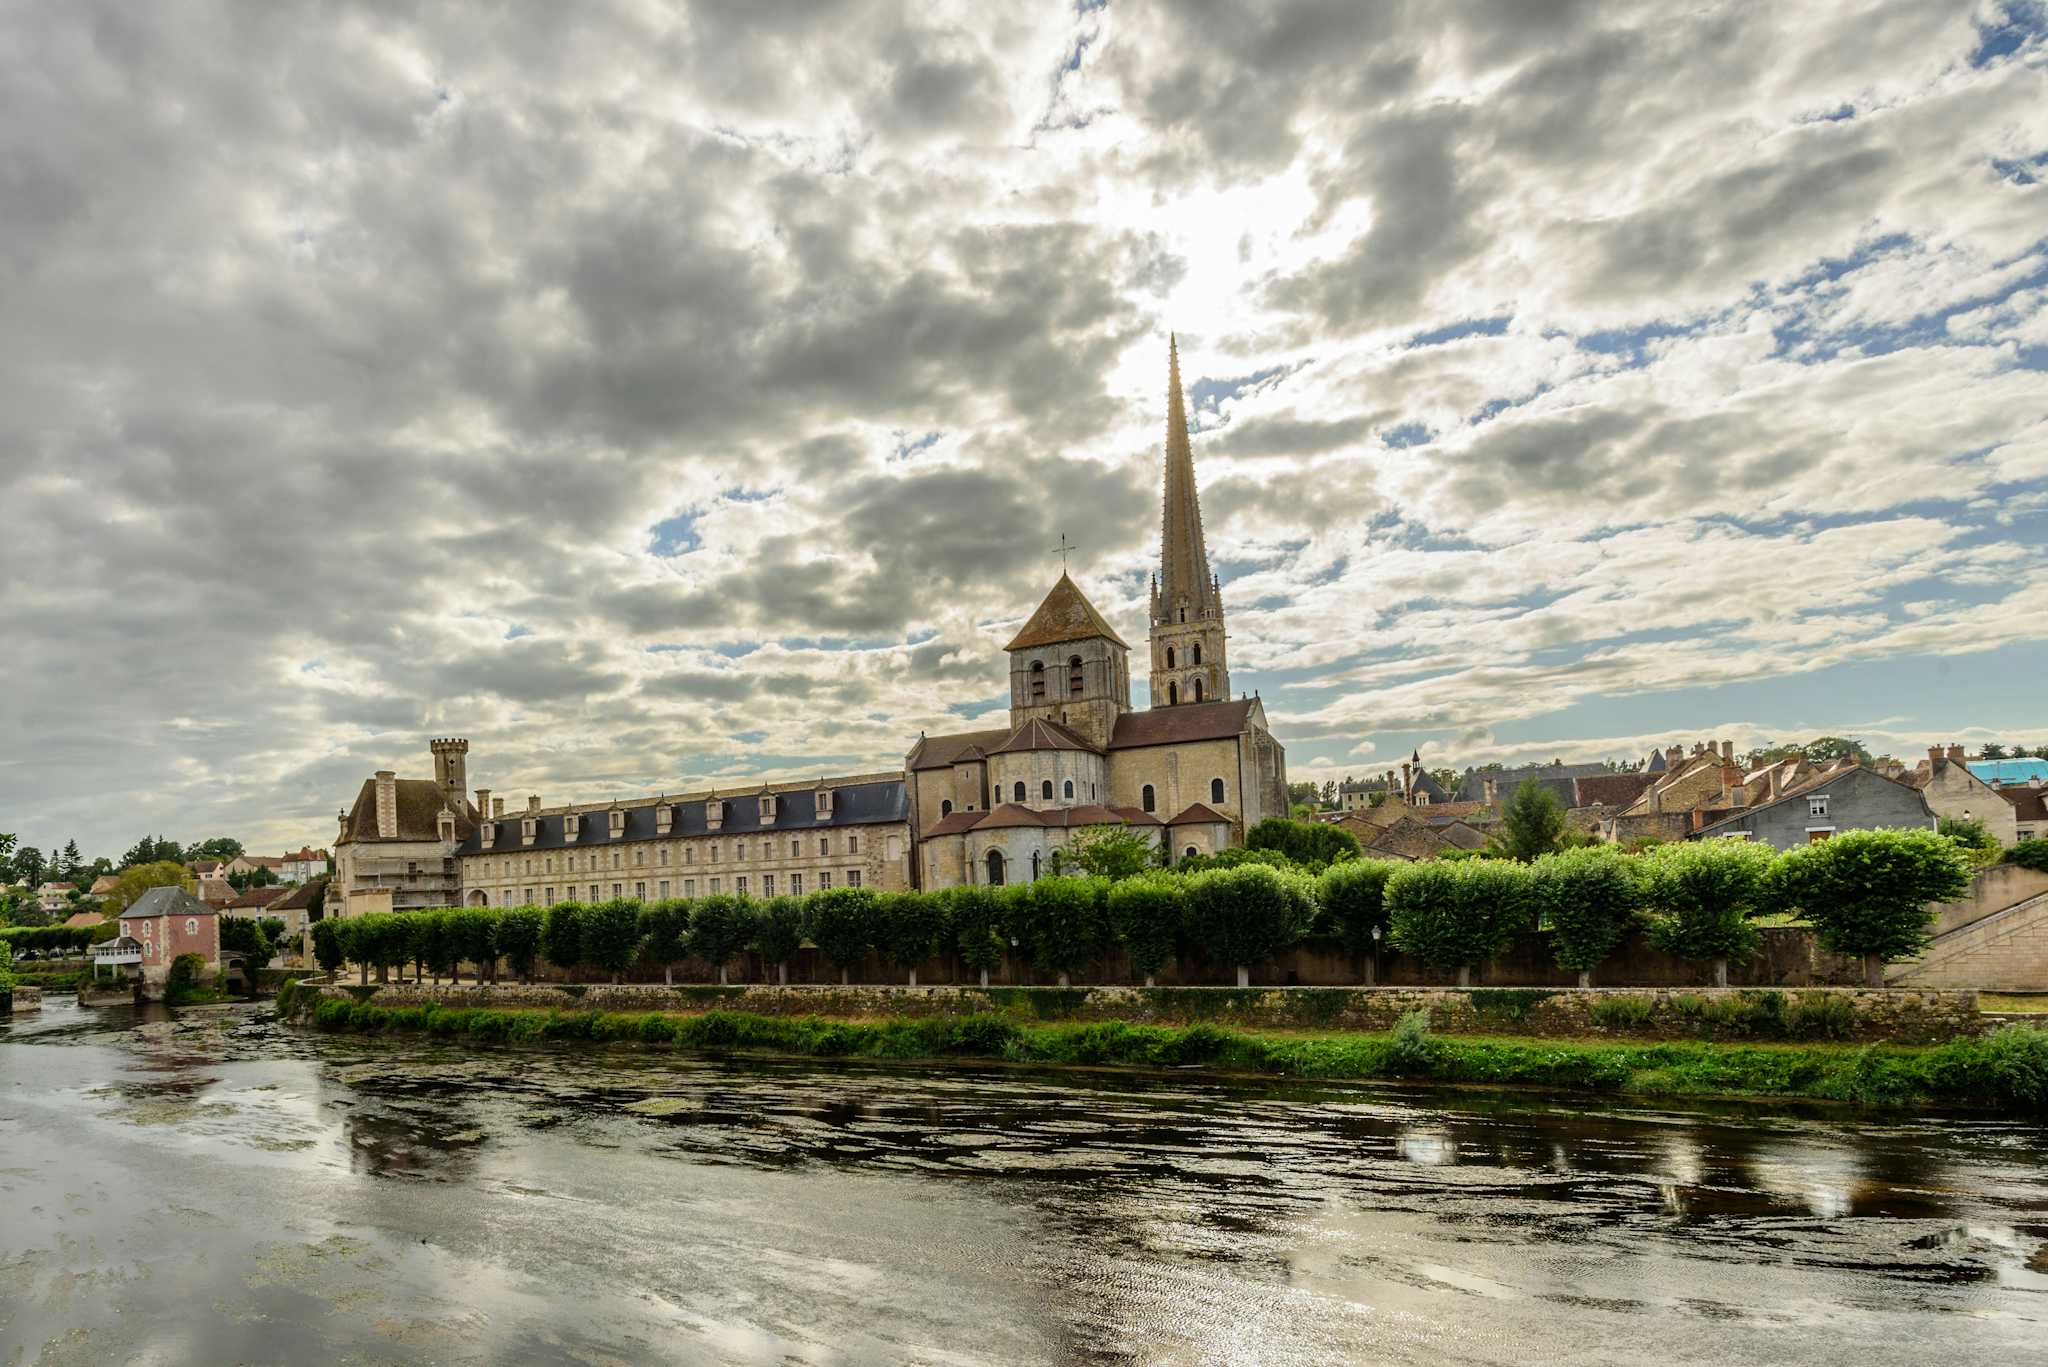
(1492, 792)
(1674, 756)
(1407, 778)
(1728, 752)
(497, 808)
(387, 804)
(483, 804)
(1777, 780)
(533, 802)
(1955, 754)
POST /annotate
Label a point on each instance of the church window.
(1183, 615)
(1069, 790)
(1198, 652)
(1017, 791)
(1172, 694)
(1169, 657)
(1189, 853)
(1146, 799)
(1037, 680)
(945, 807)
(1075, 681)
(1216, 790)
(1045, 791)
(1198, 690)
(995, 868)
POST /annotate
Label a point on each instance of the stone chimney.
(1934, 756)
(1777, 780)
(1492, 791)
(533, 802)
(497, 809)
(483, 804)
(1674, 756)
(1407, 777)
(1727, 752)
(387, 804)
(1955, 754)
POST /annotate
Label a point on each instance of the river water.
(210, 1186)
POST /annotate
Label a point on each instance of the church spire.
(1184, 578)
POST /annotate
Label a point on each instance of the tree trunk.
(1873, 970)
(1372, 969)
(721, 975)
(1244, 975)
(782, 974)
(668, 975)
(1464, 975)
(913, 975)
(984, 977)
(843, 980)
(1720, 972)
(1065, 983)
(1149, 982)
(1585, 977)
(366, 973)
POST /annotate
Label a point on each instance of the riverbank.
(2005, 1071)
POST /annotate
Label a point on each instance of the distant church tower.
(1188, 663)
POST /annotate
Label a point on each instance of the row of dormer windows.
(820, 880)
(822, 846)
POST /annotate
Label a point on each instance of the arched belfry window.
(1169, 657)
(1076, 681)
(1037, 680)
(1172, 694)
(1198, 652)
(945, 806)
(1017, 791)
(1146, 798)
(1198, 690)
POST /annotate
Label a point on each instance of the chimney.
(1934, 756)
(1728, 752)
(1492, 792)
(1407, 777)
(1955, 754)
(483, 804)
(1674, 756)
(497, 808)
(1777, 781)
(533, 802)
(387, 804)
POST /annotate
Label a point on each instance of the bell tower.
(1188, 660)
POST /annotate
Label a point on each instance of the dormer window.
(824, 804)
(664, 819)
(529, 830)
(714, 814)
(618, 822)
(572, 826)
(767, 806)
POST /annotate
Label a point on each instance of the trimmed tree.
(1354, 904)
(911, 926)
(327, 950)
(665, 934)
(721, 926)
(561, 935)
(519, 935)
(1457, 913)
(841, 923)
(434, 942)
(1148, 914)
(778, 933)
(978, 927)
(474, 931)
(1872, 894)
(1061, 922)
(392, 940)
(611, 935)
(1588, 898)
(1700, 896)
(1245, 915)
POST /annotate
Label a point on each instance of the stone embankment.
(23, 999)
(1904, 1017)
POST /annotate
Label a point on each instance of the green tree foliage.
(911, 926)
(1872, 893)
(6, 967)
(153, 849)
(1457, 914)
(327, 950)
(561, 937)
(262, 876)
(1991, 750)
(779, 932)
(182, 983)
(721, 928)
(1246, 915)
(2029, 854)
(474, 932)
(29, 865)
(611, 935)
(431, 936)
(240, 935)
(1107, 852)
(1353, 896)
(665, 934)
(70, 864)
(1237, 856)
(1063, 922)
(841, 923)
(1147, 915)
(135, 881)
(1700, 896)
(519, 937)
(979, 932)
(1977, 842)
(221, 847)
(1311, 844)
(1532, 823)
(1589, 898)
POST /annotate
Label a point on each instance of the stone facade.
(1952, 790)
(1844, 799)
(169, 922)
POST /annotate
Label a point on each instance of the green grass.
(2012, 1001)
(2005, 1071)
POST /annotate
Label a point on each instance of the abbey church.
(1193, 772)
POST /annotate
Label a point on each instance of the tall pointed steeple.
(1184, 578)
(1187, 603)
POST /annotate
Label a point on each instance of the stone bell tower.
(1188, 660)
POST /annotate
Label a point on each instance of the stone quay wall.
(1754, 1014)
(24, 999)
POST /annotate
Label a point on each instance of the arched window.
(995, 868)
(1198, 652)
(1045, 790)
(1189, 853)
(1145, 798)
(1075, 680)
(1172, 694)
(1017, 791)
(1169, 657)
(1198, 690)
(1070, 790)
(1034, 866)
(1216, 790)
(1037, 680)
(946, 807)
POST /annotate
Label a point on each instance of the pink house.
(167, 922)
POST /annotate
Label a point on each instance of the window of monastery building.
(594, 893)
(689, 887)
(796, 885)
(663, 886)
(1189, 853)
(615, 859)
(549, 894)
(767, 885)
(689, 854)
(853, 878)
(1017, 792)
(640, 891)
(1067, 790)
(1037, 680)
(1074, 677)
(853, 844)
(824, 845)
(1145, 798)
(824, 879)
(661, 855)
(1216, 790)
(1045, 790)
(796, 846)
(945, 807)
(714, 885)
(1169, 657)
(618, 889)
(739, 885)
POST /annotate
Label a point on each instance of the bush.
(979, 932)
(721, 927)
(2029, 854)
(1457, 914)
(1244, 916)
(1311, 844)
(1701, 895)
(910, 926)
(1871, 894)
(1063, 922)
(1614, 1012)
(1147, 914)
(1354, 902)
(1412, 1050)
(183, 981)
(841, 923)
(1588, 897)
(1979, 846)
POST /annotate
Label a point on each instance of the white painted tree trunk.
(1720, 972)
(1464, 975)
(1372, 970)
(843, 979)
(984, 977)
(913, 977)
(1064, 982)
(1873, 970)
(1585, 977)
(782, 975)
(721, 975)
(1244, 976)
(1149, 982)
(668, 975)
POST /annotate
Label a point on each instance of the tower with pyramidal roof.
(1189, 663)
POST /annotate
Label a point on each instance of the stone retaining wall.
(1911, 1017)
(25, 999)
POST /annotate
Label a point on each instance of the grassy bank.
(2005, 1071)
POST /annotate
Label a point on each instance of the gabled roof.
(1824, 779)
(1038, 734)
(1010, 815)
(419, 802)
(943, 752)
(1199, 814)
(165, 901)
(300, 897)
(1656, 764)
(205, 865)
(257, 897)
(1610, 790)
(103, 884)
(1065, 615)
(84, 918)
(2028, 804)
(1188, 721)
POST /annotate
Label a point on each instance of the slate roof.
(166, 902)
(1011, 815)
(1610, 790)
(853, 804)
(419, 809)
(1463, 836)
(255, 899)
(1657, 764)
(1821, 780)
(943, 752)
(300, 897)
(1556, 777)
(1423, 783)
(1037, 734)
(1065, 615)
(1185, 722)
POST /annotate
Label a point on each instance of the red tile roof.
(943, 752)
(2028, 804)
(1199, 814)
(1182, 723)
(1037, 734)
(1011, 815)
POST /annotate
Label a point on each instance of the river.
(209, 1186)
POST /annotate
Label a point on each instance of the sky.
(663, 396)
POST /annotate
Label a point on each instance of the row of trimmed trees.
(1867, 893)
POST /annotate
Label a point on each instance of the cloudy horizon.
(666, 396)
